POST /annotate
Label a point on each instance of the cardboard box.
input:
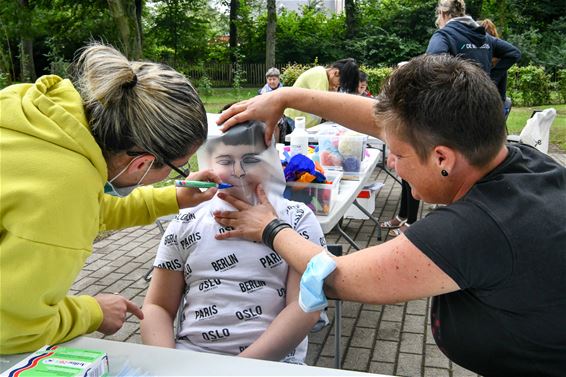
(61, 361)
(366, 198)
(317, 196)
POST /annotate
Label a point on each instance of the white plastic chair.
(159, 222)
(537, 130)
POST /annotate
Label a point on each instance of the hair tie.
(132, 83)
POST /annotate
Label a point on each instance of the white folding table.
(371, 141)
(158, 361)
(347, 195)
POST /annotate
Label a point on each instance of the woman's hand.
(249, 221)
(115, 308)
(191, 197)
(267, 107)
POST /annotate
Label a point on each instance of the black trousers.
(409, 205)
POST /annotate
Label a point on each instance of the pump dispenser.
(299, 138)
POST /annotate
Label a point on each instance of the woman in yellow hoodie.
(70, 155)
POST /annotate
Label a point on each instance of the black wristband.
(271, 230)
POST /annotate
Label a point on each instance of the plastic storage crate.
(317, 196)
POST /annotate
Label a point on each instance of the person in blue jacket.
(460, 35)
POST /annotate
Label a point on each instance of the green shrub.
(291, 73)
(204, 86)
(57, 63)
(561, 83)
(238, 79)
(4, 80)
(60, 67)
(529, 86)
(376, 77)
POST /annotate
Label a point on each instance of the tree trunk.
(501, 23)
(27, 65)
(125, 15)
(139, 8)
(351, 18)
(270, 34)
(234, 10)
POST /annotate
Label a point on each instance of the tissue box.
(62, 361)
(317, 196)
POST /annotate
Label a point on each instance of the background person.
(121, 124)
(459, 35)
(490, 28)
(273, 81)
(496, 277)
(363, 85)
(343, 75)
(408, 207)
(239, 297)
(408, 212)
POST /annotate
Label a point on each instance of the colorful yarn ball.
(325, 143)
(351, 146)
(327, 158)
(351, 164)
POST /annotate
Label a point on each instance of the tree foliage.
(378, 33)
(58, 29)
(178, 31)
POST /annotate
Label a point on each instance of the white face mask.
(110, 189)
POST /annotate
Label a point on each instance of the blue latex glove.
(311, 294)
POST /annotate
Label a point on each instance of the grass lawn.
(519, 115)
(224, 96)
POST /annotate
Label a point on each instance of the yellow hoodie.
(52, 206)
(314, 78)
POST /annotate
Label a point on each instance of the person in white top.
(238, 297)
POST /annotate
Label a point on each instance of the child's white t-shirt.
(234, 288)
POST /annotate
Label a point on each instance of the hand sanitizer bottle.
(299, 138)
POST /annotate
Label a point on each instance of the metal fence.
(222, 74)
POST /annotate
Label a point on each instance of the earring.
(444, 173)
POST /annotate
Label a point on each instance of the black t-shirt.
(504, 244)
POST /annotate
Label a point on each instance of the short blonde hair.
(145, 105)
(452, 8)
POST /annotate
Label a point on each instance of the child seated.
(238, 297)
